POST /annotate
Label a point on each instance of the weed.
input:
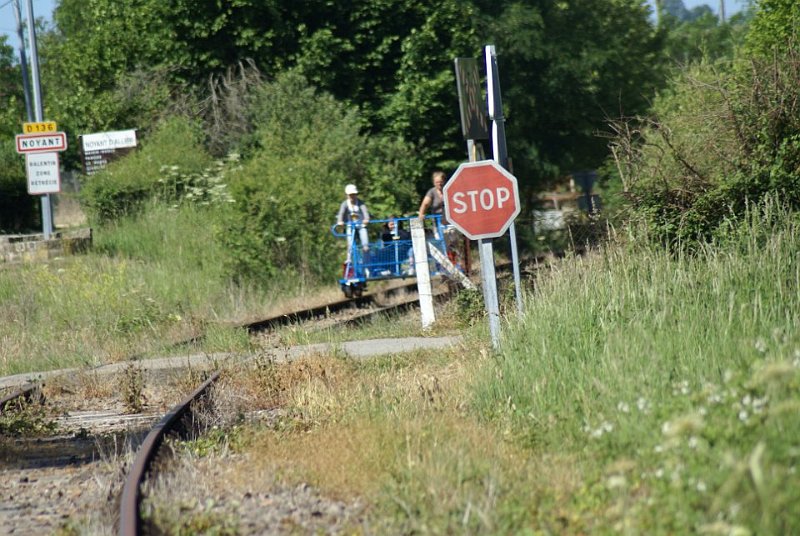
(131, 385)
(469, 306)
(23, 419)
(188, 519)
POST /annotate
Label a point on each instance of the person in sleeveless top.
(433, 201)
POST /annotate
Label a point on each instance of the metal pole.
(23, 62)
(38, 109)
(490, 289)
(722, 11)
(501, 151)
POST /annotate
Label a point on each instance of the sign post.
(500, 151)
(481, 200)
(473, 117)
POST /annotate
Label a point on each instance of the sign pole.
(23, 63)
(47, 216)
(488, 275)
(500, 150)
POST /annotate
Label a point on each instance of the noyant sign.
(481, 199)
(100, 148)
(41, 143)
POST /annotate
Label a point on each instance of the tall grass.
(152, 278)
(680, 368)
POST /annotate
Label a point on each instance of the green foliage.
(25, 420)
(672, 380)
(565, 68)
(703, 37)
(775, 24)
(287, 194)
(469, 306)
(18, 209)
(719, 138)
(171, 164)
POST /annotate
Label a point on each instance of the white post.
(423, 273)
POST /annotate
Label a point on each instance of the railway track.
(89, 447)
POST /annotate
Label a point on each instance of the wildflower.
(693, 442)
(701, 486)
(727, 376)
(761, 345)
(623, 407)
(683, 425)
(616, 481)
(743, 416)
(643, 405)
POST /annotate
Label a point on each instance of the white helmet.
(350, 189)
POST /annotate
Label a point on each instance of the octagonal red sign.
(481, 199)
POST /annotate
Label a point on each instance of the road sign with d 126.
(481, 199)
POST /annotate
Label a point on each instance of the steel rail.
(129, 519)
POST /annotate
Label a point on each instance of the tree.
(703, 38)
(566, 67)
(17, 208)
(774, 25)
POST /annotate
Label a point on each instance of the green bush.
(308, 146)
(722, 136)
(165, 167)
(18, 209)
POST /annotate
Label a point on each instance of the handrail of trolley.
(436, 218)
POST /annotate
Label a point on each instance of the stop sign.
(481, 199)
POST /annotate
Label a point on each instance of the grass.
(643, 393)
(151, 280)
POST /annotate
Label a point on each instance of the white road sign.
(102, 141)
(43, 174)
(41, 143)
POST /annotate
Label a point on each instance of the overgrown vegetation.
(722, 135)
(670, 378)
(308, 146)
(643, 392)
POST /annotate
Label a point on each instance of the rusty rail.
(129, 519)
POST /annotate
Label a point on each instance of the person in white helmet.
(354, 211)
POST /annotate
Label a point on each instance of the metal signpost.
(500, 152)
(473, 118)
(42, 171)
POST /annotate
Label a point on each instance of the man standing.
(434, 198)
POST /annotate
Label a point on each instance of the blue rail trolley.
(389, 254)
